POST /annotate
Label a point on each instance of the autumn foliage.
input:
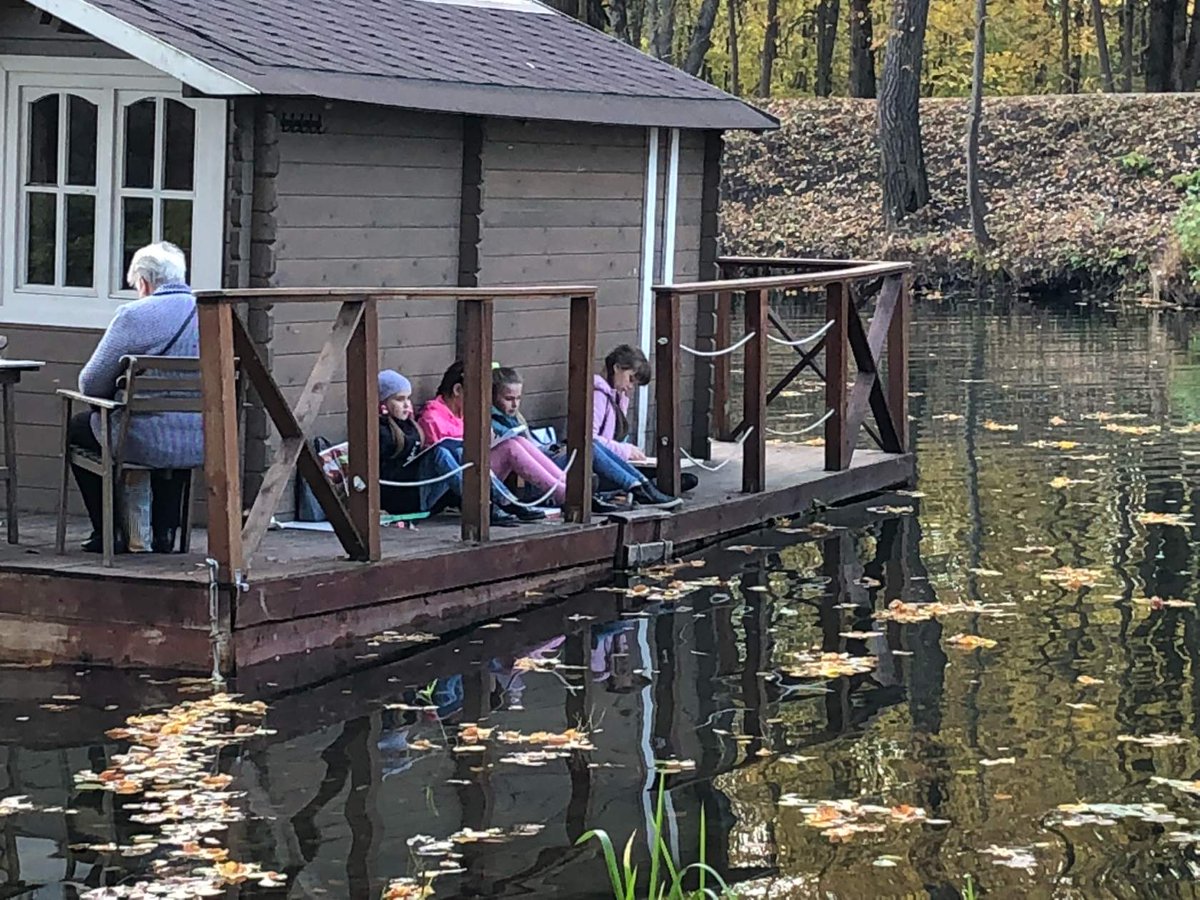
(1081, 190)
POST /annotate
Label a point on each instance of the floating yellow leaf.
(970, 642)
(1161, 518)
(992, 425)
(1088, 680)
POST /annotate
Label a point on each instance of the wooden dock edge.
(284, 617)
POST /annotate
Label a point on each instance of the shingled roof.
(511, 58)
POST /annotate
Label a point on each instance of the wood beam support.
(580, 391)
(837, 310)
(222, 465)
(754, 391)
(362, 430)
(477, 418)
(666, 399)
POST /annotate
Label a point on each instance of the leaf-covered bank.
(1082, 191)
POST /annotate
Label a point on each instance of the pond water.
(1057, 452)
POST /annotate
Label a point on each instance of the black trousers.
(166, 485)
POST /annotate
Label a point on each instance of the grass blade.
(703, 847)
(630, 870)
(655, 840)
(610, 858)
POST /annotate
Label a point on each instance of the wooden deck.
(154, 611)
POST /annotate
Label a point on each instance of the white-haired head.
(156, 265)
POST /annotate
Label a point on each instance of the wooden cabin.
(413, 142)
(484, 178)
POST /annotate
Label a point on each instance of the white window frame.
(115, 83)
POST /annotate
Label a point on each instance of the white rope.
(815, 336)
(727, 350)
(550, 493)
(807, 428)
(717, 468)
(416, 484)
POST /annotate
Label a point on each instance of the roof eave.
(721, 113)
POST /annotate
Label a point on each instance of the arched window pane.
(82, 117)
(43, 141)
(139, 144)
(180, 150)
(40, 240)
(81, 240)
(137, 224)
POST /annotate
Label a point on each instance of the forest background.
(1089, 173)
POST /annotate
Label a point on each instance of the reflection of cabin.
(414, 142)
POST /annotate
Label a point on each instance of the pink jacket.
(605, 403)
(438, 422)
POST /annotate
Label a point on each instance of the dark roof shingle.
(515, 58)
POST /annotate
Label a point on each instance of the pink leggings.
(523, 457)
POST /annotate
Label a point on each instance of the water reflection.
(989, 741)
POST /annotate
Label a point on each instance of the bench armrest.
(90, 401)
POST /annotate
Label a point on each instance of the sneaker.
(95, 544)
(646, 494)
(687, 482)
(605, 505)
(501, 519)
(525, 513)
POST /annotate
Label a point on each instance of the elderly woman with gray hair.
(161, 322)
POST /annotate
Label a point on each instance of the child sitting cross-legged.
(442, 418)
(613, 472)
(424, 471)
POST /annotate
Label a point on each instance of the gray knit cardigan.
(144, 328)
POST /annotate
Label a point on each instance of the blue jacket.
(145, 328)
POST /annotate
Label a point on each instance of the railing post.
(721, 365)
(837, 455)
(362, 415)
(666, 398)
(477, 419)
(581, 352)
(897, 363)
(754, 392)
(222, 469)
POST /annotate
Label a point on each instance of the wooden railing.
(354, 340)
(843, 337)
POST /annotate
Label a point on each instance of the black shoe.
(687, 482)
(501, 519)
(95, 544)
(163, 541)
(525, 513)
(603, 505)
(646, 494)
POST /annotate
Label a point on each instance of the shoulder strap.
(166, 351)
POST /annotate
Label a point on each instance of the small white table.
(11, 371)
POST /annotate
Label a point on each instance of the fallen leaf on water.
(407, 889)
(1072, 578)
(1088, 680)
(1160, 603)
(1035, 549)
(1153, 740)
(985, 573)
(1161, 518)
(890, 510)
(1000, 761)
(1012, 857)
(860, 635)
(1133, 429)
(828, 665)
(992, 425)
(1057, 420)
(1191, 428)
(970, 642)
(1053, 445)
(947, 417)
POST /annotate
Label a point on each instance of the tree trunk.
(1128, 23)
(1160, 46)
(827, 23)
(1106, 72)
(770, 49)
(1191, 65)
(662, 29)
(1179, 42)
(975, 115)
(902, 170)
(862, 57)
(1067, 85)
(618, 19)
(637, 21)
(701, 37)
(735, 64)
